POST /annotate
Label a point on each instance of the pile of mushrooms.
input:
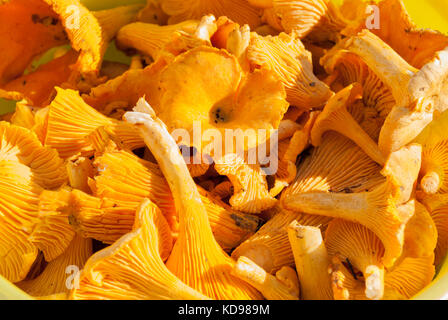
(95, 175)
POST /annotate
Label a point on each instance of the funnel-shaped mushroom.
(224, 98)
(347, 68)
(359, 246)
(335, 117)
(375, 209)
(337, 165)
(311, 260)
(150, 39)
(144, 276)
(290, 149)
(410, 277)
(21, 145)
(91, 32)
(321, 18)
(418, 93)
(37, 87)
(239, 11)
(271, 287)
(269, 247)
(70, 120)
(286, 56)
(52, 233)
(437, 206)
(196, 258)
(55, 277)
(127, 89)
(434, 171)
(125, 179)
(250, 188)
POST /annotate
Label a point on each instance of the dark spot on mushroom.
(155, 17)
(35, 18)
(312, 84)
(350, 267)
(24, 83)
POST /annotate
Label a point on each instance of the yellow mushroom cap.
(348, 68)
(19, 205)
(37, 87)
(90, 32)
(143, 276)
(239, 11)
(353, 242)
(417, 46)
(224, 99)
(71, 120)
(420, 235)
(287, 57)
(307, 16)
(127, 88)
(150, 39)
(53, 233)
(55, 277)
(250, 188)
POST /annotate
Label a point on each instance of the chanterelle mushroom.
(375, 209)
(27, 168)
(44, 24)
(70, 120)
(418, 93)
(239, 11)
(335, 117)
(345, 240)
(53, 280)
(143, 276)
(291, 62)
(434, 171)
(196, 257)
(224, 96)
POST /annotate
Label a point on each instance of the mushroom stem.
(271, 287)
(432, 177)
(196, 243)
(392, 69)
(374, 282)
(311, 260)
(376, 210)
(336, 117)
